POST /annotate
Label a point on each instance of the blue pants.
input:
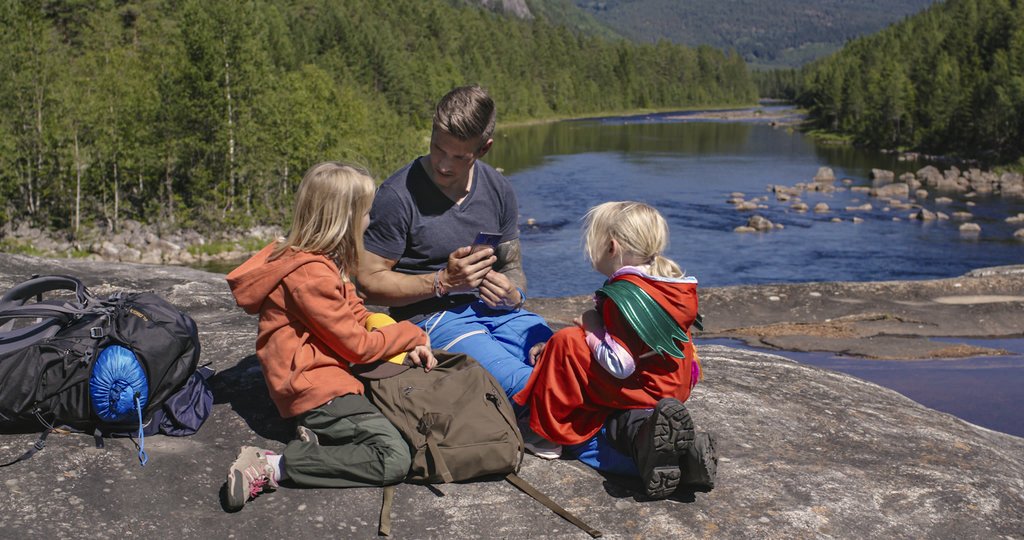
(599, 454)
(500, 340)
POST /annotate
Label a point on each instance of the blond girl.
(312, 329)
(611, 389)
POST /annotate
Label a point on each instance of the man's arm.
(510, 262)
(381, 285)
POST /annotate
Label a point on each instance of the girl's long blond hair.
(329, 207)
(637, 227)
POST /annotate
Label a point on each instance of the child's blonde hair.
(637, 227)
(329, 207)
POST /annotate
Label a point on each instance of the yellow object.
(377, 320)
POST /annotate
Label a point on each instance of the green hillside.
(566, 13)
(767, 33)
(949, 81)
(205, 114)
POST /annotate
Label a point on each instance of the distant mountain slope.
(775, 32)
(567, 13)
(558, 12)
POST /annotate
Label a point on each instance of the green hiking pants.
(357, 447)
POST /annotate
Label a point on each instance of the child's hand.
(535, 353)
(423, 357)
(590, 321)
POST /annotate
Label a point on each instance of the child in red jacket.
(312, 328)
(628, 364)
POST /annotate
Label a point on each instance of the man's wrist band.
(522, 299)
(439, 289)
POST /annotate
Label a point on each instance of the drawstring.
(143, 458)
(440, 315)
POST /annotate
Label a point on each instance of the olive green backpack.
(458, 423)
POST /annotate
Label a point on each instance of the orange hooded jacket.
(311, 328)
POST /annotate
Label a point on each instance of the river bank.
(926, 195)
(136, 242)
(883, 320)
(695, 109)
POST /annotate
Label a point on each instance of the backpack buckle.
(96, 332)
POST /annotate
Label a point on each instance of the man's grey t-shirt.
(414, 223)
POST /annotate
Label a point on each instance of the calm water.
(688, 169)
(986, 391)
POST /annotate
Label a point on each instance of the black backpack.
(87, 363)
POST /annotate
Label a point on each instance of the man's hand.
(423, 357)
(499, 292)
(466, 269)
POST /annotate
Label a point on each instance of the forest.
(204, 115)
(947, 81)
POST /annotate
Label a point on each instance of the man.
(419, 257)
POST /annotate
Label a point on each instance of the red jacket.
(311, 328)
(570, 395)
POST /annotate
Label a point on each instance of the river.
(688, 168)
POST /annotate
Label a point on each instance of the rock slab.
(804, 452)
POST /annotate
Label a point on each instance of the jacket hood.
(256, 278)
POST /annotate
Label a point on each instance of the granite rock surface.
(805, 453)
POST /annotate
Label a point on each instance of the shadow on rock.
(625, 487)
(242, 387)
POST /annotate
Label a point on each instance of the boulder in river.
(825, 175)
(759, 223)
(923, 215)
(929, 175)
(970, 228)
(892, 190)
(882, 176)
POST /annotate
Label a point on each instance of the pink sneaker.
(250, 475)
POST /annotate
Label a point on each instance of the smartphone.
(486, 239)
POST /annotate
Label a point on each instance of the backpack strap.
(37, 446)
(528, 489)
(22, 292)
(384, 525)
(440, 467)
(13, 340)
(51, 314)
